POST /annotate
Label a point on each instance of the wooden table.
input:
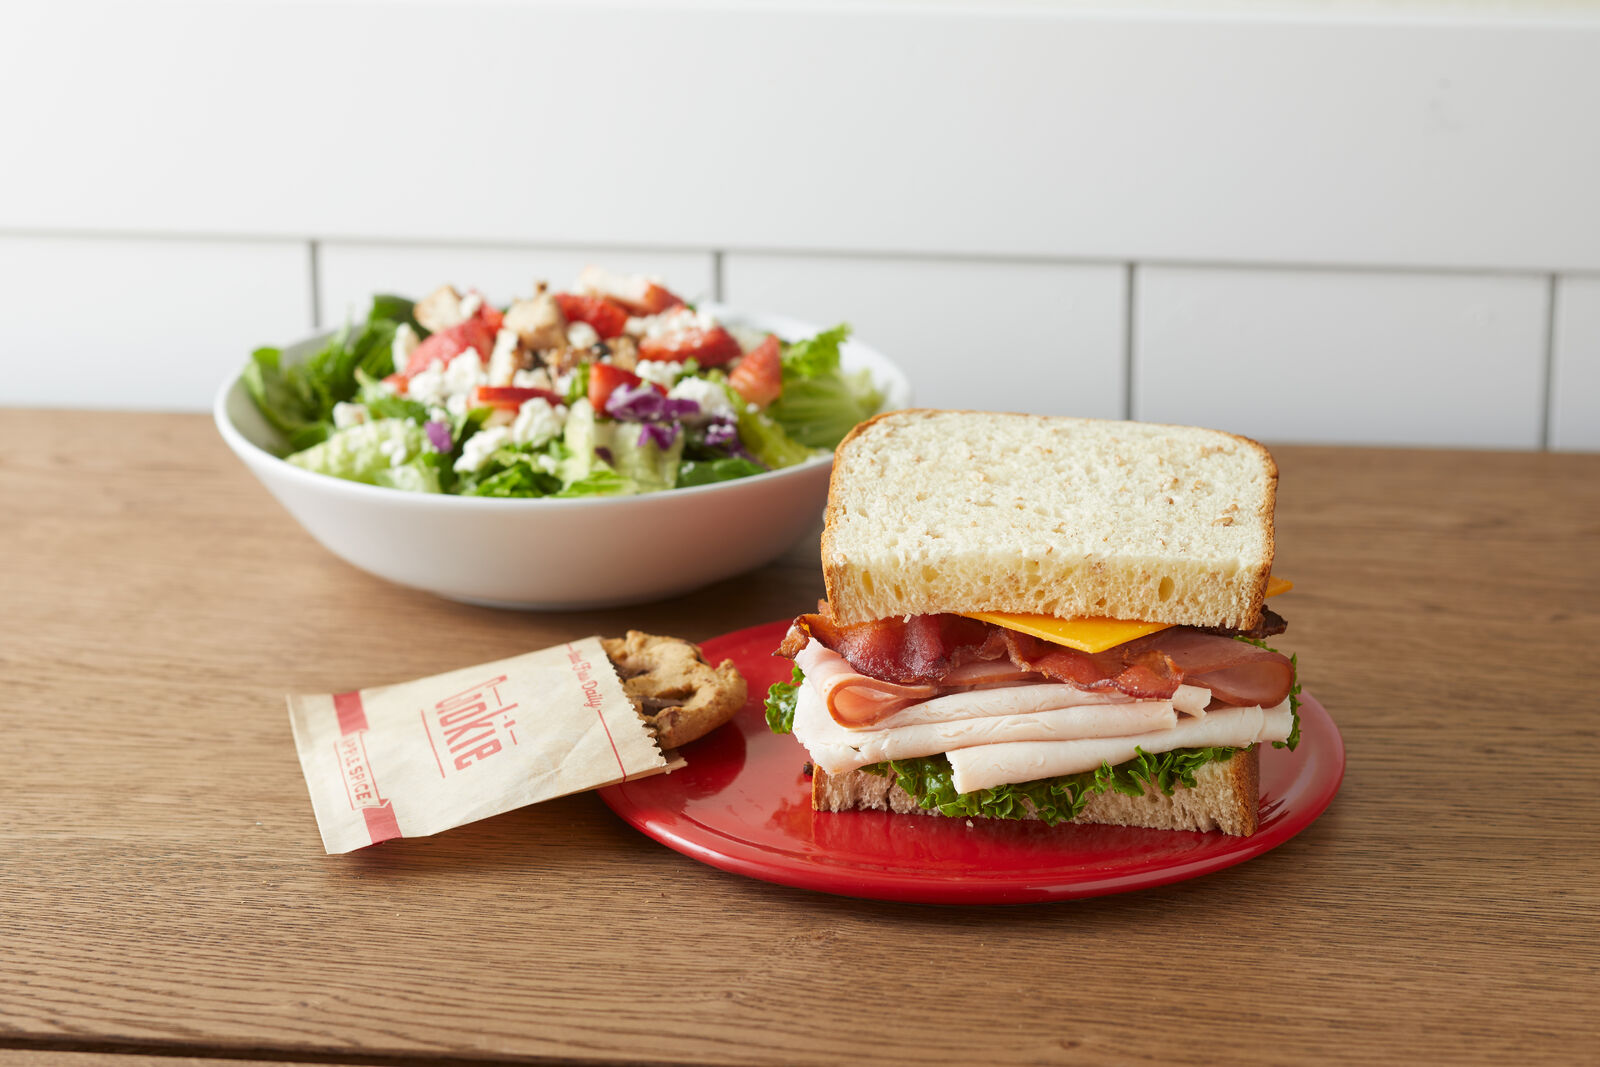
(163, 891)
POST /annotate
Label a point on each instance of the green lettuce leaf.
(929, 779)
(395, 309)
(781, 700)
(705, 472)
(820, 403)
(1294, 691)
(768, 441)
(361, 453)
(421, 474)
(298, 400)
(515, 471)
(382, 404)
(814, 356)
(281, 397)
(578, 384)
(600, 481)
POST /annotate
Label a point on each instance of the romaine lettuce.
(767, 441)
(820, 403)
(600, 481)
(515, 471)
(619, 451)
(419, 475)
(361, 453)
(929, 780)
(707, 471)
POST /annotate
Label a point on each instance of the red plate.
(743, 805)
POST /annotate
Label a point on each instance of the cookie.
(673, 688)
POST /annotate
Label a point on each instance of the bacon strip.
(920, 650)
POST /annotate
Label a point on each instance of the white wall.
(1284, 220)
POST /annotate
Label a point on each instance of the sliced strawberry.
(398, 382)
(758, 377)
(492, 317)
(512, 397)
(604, 379)
(638, 294)
(712, 348)
(608, 317)
(654, 300)
(448, 344)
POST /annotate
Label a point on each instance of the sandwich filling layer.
(884, 666)
(979, 719)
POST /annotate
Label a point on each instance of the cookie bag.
(419, 757)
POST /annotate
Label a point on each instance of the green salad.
(615, 387)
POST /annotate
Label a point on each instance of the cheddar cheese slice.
(1089, 634)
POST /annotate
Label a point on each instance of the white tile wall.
(153, 324)
(1356, 225)
(1575, 366)
(349, 273)
(929, 128)
(1333, 356)
(1040, 337)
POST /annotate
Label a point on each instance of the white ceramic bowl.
(552, 554)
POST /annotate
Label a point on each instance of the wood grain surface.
(163, 889)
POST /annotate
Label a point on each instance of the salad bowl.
(549, 553)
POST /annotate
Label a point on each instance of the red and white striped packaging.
(413, 759)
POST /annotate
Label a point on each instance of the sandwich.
(1039, 618)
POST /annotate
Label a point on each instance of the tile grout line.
(1128, 289)
(1552, 288)
(1030, 257)
(313, 249)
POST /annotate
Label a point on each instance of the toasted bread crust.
(1225, 797)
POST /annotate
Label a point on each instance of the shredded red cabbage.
(439, 435)
(644, 403)
(722, 432)
(663, 434)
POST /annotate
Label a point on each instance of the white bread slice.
(960, 511)
(1224, 797)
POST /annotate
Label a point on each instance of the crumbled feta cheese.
(662, 372)
(395, 448)
(348, 415)
(538, 421)
(673, 321)
(503, 360)
(471, 304)
(500, 417)
(465, 372)
(712, 398)
(547, 463)
(427, 386)
(582, 335)
(455, 405)
(405, 343)
(563, 383)
(537, 378)
(480, 446)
